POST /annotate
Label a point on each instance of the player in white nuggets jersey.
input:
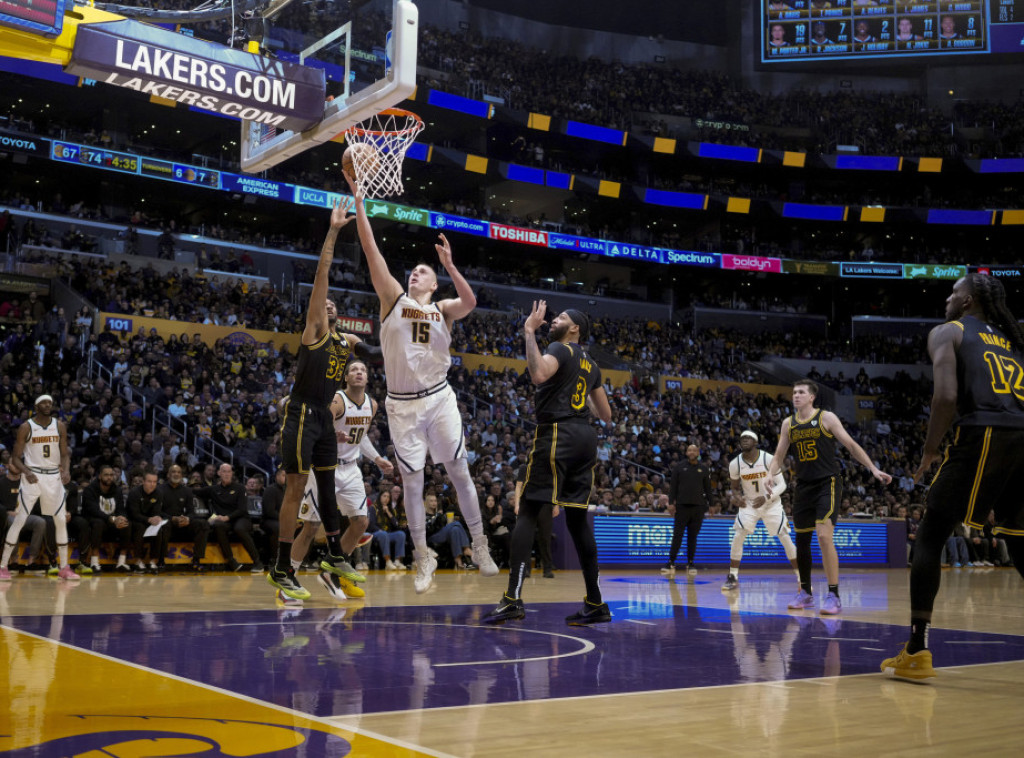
(42, 458)
(353, 411)
(423, 414)
(748, 472)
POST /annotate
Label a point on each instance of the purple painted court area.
(331, 662)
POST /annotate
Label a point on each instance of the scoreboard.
(845, 29)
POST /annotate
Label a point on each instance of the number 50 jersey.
(564, 395)
(989, 375)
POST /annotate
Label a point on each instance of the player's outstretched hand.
(339, 215)
(927, 460)
(444, 251)
(536, 318)
(881, 476)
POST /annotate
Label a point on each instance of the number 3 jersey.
(415, 340)
(564, 395)
(989, 380)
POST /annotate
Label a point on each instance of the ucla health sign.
(645, 540)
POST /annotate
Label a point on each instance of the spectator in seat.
(228, 506)
(185, 526)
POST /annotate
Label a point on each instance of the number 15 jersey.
(415, 341)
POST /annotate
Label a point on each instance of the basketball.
(366, 156)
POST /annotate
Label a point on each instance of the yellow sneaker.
(351, 588)
(906, 666)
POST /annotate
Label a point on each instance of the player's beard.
(557, 332)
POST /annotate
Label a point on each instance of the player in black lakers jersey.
(560, 469)
(977, 359)
(307, 427)
(819, 489)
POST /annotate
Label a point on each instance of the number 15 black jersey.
(564, 395)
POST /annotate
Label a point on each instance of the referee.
(689, 497)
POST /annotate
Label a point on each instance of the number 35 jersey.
(989, 377)
(415, 341)
(320, 370)
(564, 395)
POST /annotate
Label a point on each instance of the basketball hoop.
(378, 172)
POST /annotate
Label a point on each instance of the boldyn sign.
(201, 74)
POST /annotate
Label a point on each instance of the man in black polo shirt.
(689, 497)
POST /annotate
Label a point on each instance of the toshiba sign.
(517, 234)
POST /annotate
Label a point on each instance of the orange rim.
(416, 126)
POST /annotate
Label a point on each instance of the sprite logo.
(398, 213)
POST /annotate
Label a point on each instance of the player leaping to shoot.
(748, 472)
(423, 414)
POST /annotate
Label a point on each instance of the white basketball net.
(391, 133)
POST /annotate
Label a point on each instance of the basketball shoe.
(731, 583)
(332, 584)
(339, 566)
(482, 557)
(905, 665)
(287, 583)
(68, 575)
(507, 610)
(426, 565)
(831, 606)
(590, 614)
(802, 601)
(288, 602)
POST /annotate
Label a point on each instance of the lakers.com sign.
(193, 72)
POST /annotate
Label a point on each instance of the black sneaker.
(507, 610)
(549, 574)
(257, 568)
(233, 565)
(198, 567)
(287, 583)
(731, 583)
(590, 614)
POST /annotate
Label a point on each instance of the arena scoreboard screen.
(40, 16)
(800, 30)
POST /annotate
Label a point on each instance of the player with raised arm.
(423, 413)
(977, 359)
(353, 411)
(560, 469)
(747, 473)
(819, 488)
(42, 457)
(307, 430)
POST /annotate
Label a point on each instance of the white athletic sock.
(469, 503)
(413, 494)
(735, 573)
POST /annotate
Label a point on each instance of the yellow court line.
(60, 692)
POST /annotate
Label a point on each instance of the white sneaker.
(361, 566)
(330, 583)
(482, 557)
(390, 566)
(290, 602)
(425, 565)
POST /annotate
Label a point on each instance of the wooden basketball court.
(211, 665)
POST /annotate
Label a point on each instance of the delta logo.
(518, 234)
